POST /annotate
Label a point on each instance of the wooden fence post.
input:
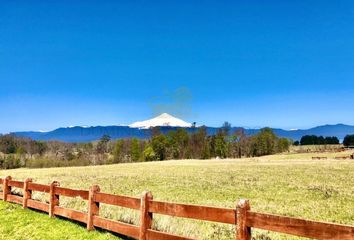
(145, 215)
(53, 198)
(242, 231)
(93, 207)
(27, 194)
(6, 188)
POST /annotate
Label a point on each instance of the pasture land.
(286, 184)
(18, 224)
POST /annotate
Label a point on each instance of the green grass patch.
(24, 224)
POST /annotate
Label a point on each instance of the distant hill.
(86, 134)
(338, 130)
(167, 122)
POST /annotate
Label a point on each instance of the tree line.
(175, 144)
(178, 144)
(320, 140)
(316, 140)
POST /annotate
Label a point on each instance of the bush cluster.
(348, 140)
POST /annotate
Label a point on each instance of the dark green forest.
(317, 140)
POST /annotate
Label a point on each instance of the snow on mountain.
(83, 126)
(164, 119)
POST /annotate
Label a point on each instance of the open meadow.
(285, 184)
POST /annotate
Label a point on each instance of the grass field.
(17, 223)
(287, 184)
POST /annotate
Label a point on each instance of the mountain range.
(166, 123)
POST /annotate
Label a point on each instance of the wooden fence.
(241, 215)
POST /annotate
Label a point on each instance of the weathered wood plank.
(6, 189)
(70, 214)
(299, 227)
(145, 215)
(27, 194)
(72, 192)
(214, 214)
(38, 187)
(14, 199)
(243, 232)
(117, 200)
(117, 227)
(53, 198)
(38, 205)
(93, 207)
(156, 235)
(17, 184)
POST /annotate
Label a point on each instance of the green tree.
(226, 128)
(117, 151)
(242, 144)
(264, 142)
(103, 144)
(7, 144)
(331, 140)
(135, 151)
(9, 162)
(41, 147)
(198, 146)
(149, 154)
(177, 143)
(318, 140)
(20, 150)
(159, 144)
(220, 145)
(283, 145)
(348, 140)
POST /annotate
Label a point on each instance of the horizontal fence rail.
(241, 216)
(222, 215)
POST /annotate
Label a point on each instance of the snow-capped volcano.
(164, 119)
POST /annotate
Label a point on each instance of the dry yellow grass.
(286, 184)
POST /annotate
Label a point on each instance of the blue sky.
(287, 64)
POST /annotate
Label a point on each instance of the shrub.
(149, 154)
(348, 140)
(10, 162)
(159, 145)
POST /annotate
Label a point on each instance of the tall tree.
(348, 140)
(220, 145)
(149, 154)
(200, 144)
(103, 144)
(159, 145)
(117, 151)
(7, 144)
(135, 151)
(264, 142)
(226, 128)
(178, 143)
